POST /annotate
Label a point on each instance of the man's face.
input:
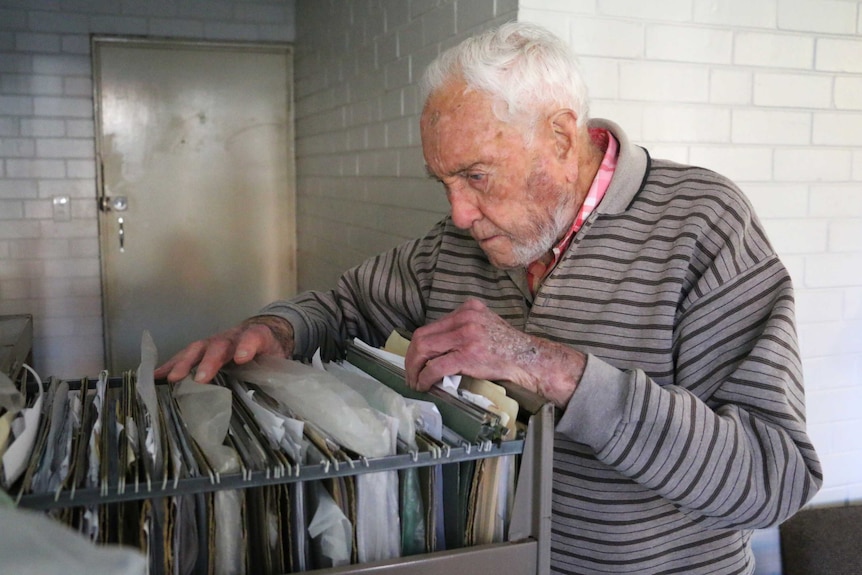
(511, 196)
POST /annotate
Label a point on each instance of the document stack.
(284, 467)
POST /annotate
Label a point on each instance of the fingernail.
(241, 353)
(200, 376)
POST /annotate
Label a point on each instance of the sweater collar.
(630, 172)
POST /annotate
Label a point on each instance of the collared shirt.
(542, 267)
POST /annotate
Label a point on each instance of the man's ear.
(564, 123)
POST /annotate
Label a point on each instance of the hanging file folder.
(468, 420)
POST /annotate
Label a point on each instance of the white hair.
(526, 68)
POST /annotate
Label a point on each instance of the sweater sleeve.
(384, 292)
(726, 442)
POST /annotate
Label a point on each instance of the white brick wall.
(788, 90)
(813, 16)
(736, 13)
(839, 55)
(848, 93)
(768, 92)
(48, 268)
(772, 50)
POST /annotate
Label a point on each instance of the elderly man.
(638, 295)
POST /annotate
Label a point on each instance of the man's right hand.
(260, 335)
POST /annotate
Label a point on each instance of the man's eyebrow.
(460, 170)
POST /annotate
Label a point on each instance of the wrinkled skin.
(514, 199)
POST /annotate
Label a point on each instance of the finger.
(438, 356)
(181, 364)
(436, 369)
(218, 352)
(447, 334)
(162, 370)
(420, 353)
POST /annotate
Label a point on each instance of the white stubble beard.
(547, 232)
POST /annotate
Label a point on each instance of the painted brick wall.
(47, 148)
(361, 183)
(768, 92)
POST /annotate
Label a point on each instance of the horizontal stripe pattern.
(682, 293)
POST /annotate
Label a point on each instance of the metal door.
(197, 222)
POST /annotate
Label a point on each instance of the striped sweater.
(687, 430)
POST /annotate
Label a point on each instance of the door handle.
(113, 203)
(122, 233)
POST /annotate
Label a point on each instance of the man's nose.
(464, 205)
